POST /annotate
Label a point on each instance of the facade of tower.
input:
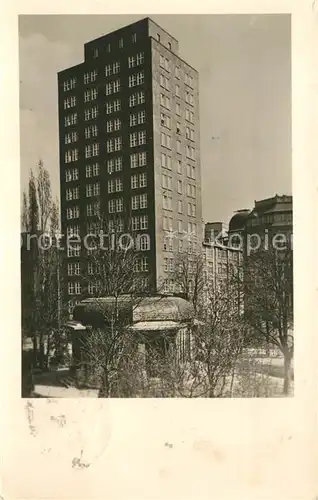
(130, 148)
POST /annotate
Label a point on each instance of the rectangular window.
(74, 288)
(109, 108)
(139, 201)
(133, 120)
(110, 146)
(72, 213)
(143, 200)
(165, 120)
(179, 187)
(70, 120)
(134, 181)
(118, 143)
(144, 222)
(118, 164)
(135, 202)
(108, 88)
(166, 202)
(69, 84)
(92, 189)
(166, 182)
(71, 137)
(108, 70)
(111, 206)
(111, 186)
(131, 62)
(73, 250)
(118, 184)
(71, 175)
(119, 205)
(69, 102)
(137, 98)
(135, 223)
(140, 58)
(73, 230)
(89, 209)
(72, 194)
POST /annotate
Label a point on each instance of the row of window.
(138, 223)
(134, 100)
(166, 162)
(169, 245)
(167, 184)
(167, 225)
(113, 165)
(115, 185)
(165, 83)
(168, 205)
(165, 121)
(269, 219)
(141, 264)
(166, 142)
(166, 65)
(112, 87)
(110, 69)
(114, 68)
(111, 125)
(74, 269)
(166, 103)
(90, 95)
(110, 107)
(91, 210)
(93, 288)
(136, 160)
(138, 201)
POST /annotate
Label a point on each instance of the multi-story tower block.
(130, 146)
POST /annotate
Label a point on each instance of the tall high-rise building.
(130, 146)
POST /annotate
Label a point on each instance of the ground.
(255, 377)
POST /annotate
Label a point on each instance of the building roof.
(143, 309)
(154, 326)
(238, 220)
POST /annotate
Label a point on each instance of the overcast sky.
(244, 63)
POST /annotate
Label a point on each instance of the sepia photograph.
(156, 206)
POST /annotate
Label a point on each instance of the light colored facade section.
(176, 143)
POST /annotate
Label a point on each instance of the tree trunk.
(104, 391)
(41, 352)
(287, 372)
(35, 350)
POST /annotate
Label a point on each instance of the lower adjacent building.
(159, 323)
(268, 225)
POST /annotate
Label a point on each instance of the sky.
(244, 65)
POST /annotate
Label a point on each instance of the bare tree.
(268, 287)
(219, 341)
(116, 279)
(41, 264)
(189, 277)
